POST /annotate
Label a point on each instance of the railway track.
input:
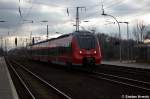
(123, 80)
(36, 87)
(140, 84)
(131, 70)
(112, 83)
(135, 77)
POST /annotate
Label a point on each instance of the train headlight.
(94, 52)
(80, 52)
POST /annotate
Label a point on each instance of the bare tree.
(136, 34)
(140, 31)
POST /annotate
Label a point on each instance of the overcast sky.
(55, 12)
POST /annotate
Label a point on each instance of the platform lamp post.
(120, 46)
(127, 23)
(45, 21)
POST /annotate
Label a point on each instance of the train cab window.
(86, 42)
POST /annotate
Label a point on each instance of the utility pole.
(47, 32)
(77, 17)
(5, 46)
(31, 37)
(1, 42)
(128, 40)
(46, 28)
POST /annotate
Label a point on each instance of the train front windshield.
(86, 42)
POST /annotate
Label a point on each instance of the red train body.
(78, 48)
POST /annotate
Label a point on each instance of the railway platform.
(132, 64)
(7, 89)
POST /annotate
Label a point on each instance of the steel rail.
(130, 69)
(100, 75)
(22, 82)
(45, 82)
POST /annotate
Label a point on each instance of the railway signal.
(16, 41)
(33, 40)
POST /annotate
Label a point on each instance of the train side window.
(47, 51)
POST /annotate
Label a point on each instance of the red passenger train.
(77, 48)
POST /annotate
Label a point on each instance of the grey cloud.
(9, 11)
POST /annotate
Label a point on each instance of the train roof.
(62, 36)
(65, 35)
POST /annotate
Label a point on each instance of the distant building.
(147, 41)
(147, 38)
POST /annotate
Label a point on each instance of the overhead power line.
(115, 3)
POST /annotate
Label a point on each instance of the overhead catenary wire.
(21, 19)
(29, 10)
(27, 14)
(113, 4)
